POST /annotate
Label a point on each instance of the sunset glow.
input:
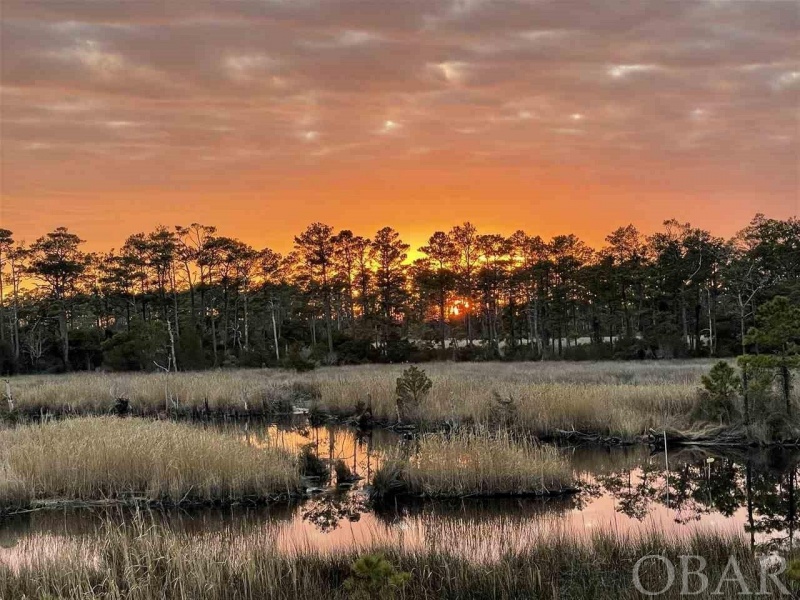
(259, 117)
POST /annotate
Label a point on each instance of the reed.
(146, 562)
(242, 390)
(605, 398)
(602, 398)
(122, 460)
(474, 464)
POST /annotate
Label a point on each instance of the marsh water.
(630, 490)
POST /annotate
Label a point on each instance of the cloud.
(611, 84)
(624, 71)
(389, 127)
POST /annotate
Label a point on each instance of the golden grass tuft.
(477, 464)
(106, 458)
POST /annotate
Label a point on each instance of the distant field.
(612, 398)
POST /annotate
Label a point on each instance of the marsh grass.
(609, 399)
(476, 463)
(107, 458)
(147, 562)
(604, 398)
(254, 391)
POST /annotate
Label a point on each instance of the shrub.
(412, 387)
(374, 577)
(312, 465)
(355, 351)
(138, 349)
(316, 417)
(189, 348)
(343, 472)
(300, 360)
(502, 411)
(717, 399)
(399, 351)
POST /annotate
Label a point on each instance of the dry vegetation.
(105, 458)
(606, 398)
(151, 393)
(474, 464)
(609, 398)
(144, 562)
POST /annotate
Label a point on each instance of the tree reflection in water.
(703, 482)
(327, 511)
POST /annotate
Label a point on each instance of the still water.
(630, 490)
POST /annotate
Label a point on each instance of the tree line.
(188, 297)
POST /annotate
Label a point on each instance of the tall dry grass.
(610, 398)
(150, 393)
(105, 458)
(146, 562)
(474, 464)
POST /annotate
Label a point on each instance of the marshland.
(611, 398)
(630, 501)
(271, 483)
(267, 438)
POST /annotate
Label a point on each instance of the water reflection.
(757, 489)
(630, 490)
(328, 511)
(361, 451)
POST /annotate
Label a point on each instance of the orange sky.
(262, 117)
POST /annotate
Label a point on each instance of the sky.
(261, 116)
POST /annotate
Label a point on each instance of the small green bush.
(717, 401)
(375, 578)
(412, 388)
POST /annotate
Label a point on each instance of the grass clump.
(474, 464)
(127, 460)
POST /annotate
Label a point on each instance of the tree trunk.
(62, 323)
(684, 320)
(746, 398)
(328, 328)
(172, 346)
(15, 329)
(2, 312)
(246, 325)
(275, 332)
(442, 308)
(173, 281)
(225, 319)
(749, 488)
(787, 388)
(214, 340)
